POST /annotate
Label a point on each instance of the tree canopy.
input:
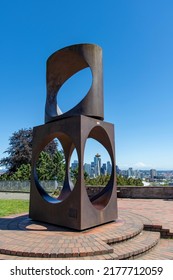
(51, 167)
(19, 151)
(123, 181)
(50, 164)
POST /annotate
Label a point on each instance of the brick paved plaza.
(144, 230)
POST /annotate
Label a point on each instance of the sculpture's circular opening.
(77, 67)
(98, 173)
(50, 168)
(52, 173)
(73, 168)
(74, 90)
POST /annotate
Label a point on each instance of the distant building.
(130, 172)
(87, 168)
(109, 168)
(97, 163)
(74, 165)
(153, 173)
(92, 173)
(124, 173)
(95, 168)
(103, 169)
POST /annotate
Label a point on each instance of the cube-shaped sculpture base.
(73, 208)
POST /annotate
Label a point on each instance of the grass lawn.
(13, 206)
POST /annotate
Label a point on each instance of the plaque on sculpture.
(74, 208)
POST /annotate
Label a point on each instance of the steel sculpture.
(61, 66)
(73, 208)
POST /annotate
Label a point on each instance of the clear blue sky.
(137, 41)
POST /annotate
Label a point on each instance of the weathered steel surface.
(74, 208)
(61, 66)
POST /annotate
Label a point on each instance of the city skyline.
(148, 177)
(125, 168)
(137, 42)
(95, 168)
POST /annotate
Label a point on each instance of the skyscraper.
(103, 169)
(97, 163)
(153, 173)
(109, 168)
(92, 173)
(130, 172)
(87, 168)
(74, 165)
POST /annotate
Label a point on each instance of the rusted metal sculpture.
(61, 66)
(73, 208)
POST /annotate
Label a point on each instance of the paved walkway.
(159, 211)
(14, 195)
(21, 237)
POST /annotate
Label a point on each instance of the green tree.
(18, 161)
(19, 151)
(22, 173)
(138, 182)
(59, 166)
(74, 174)
(4, 177)
(130, 181)
(50, 167)
(100, 180)
(123, 181)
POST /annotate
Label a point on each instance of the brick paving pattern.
(143, 231)
(157, 210)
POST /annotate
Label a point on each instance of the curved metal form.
(101, 199)
(68, 148)
(73, 208)
(61, 66)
